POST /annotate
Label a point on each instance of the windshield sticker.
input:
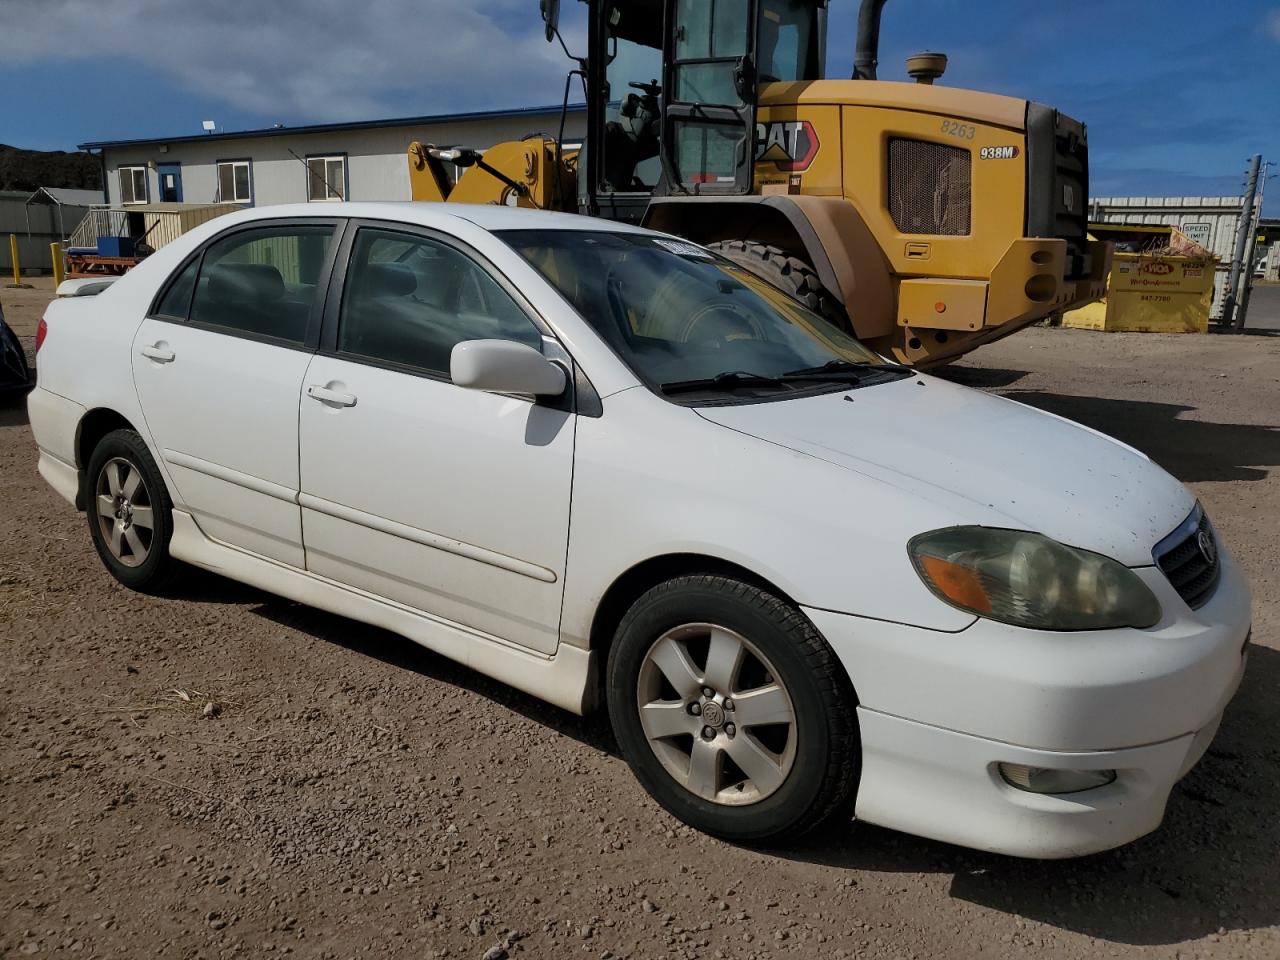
(682, 248)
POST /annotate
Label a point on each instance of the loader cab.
(672, 89)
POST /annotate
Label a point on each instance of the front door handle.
(335, 398)
(159, 352)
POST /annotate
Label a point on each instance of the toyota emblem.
(1208, 549)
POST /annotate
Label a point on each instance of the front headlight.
(1031, 581)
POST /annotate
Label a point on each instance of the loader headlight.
(1029, 580)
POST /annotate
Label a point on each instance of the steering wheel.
(720, 323)
(650, 89)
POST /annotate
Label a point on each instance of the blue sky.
(1176, 94)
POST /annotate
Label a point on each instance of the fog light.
(1045, 780)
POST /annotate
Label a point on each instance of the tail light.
(42, 331)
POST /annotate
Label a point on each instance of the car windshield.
(689, 322)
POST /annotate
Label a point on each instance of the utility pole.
(1253, 244)
(1230, 320)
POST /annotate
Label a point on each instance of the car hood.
(995, 462)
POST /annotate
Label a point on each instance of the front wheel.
(732, 711)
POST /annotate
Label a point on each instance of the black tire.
(821, 782)
(789, 274)
(151, 570)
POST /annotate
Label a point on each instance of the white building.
(363, 160)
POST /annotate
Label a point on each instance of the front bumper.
(945, 785)
(939, 711)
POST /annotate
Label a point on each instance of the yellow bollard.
(17, 270)
(59, 268)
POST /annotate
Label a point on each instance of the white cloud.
(319, 60)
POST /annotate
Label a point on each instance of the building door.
(170, 182)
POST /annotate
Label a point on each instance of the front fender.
(653, 479)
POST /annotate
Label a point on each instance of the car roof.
(425, 213)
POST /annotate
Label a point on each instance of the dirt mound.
(29, 169)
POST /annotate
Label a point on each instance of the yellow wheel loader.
(927, 220)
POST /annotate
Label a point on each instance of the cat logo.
(791, 144)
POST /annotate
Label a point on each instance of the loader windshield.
(692, 324)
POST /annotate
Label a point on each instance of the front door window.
(409, 300)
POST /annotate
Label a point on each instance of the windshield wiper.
(834, 371)
(732, 380)
(846, 367)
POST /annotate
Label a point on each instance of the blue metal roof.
(336, 127)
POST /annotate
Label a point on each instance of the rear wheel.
(789, 274)
(732, 710)
(130, 514)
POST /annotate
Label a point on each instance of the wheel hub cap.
(124, 514)
(716, 715)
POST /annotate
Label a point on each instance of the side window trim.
(153, 310)
(315, 319)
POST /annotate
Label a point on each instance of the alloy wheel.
(125, 512)
(716, 714)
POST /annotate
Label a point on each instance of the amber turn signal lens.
(957, 583)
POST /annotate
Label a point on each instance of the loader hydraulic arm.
(466, 157)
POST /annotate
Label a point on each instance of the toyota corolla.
(614, 470)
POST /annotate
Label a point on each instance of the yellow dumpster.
(1163, 289)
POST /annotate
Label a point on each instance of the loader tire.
(789, 274)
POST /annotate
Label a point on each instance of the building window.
(234, 182)
(133, 184)
(327, 178)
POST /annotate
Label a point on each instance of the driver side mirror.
(551, 17)
(504, 366)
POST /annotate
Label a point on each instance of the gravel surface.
(220, 773)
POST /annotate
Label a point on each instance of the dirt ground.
(353, 795)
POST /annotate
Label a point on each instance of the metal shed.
(39, 219)
(69, 206)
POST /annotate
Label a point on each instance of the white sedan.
(605, 466)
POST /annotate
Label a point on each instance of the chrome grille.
(1189, 558)
(929, 187)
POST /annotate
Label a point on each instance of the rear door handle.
(334, 398)
(159, 352)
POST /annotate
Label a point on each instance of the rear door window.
(263, 282)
